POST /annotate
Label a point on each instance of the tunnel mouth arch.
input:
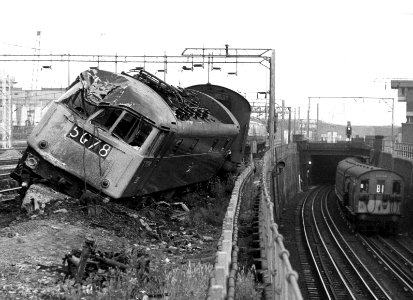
(322, 169)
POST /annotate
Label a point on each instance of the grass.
(245, 288)
(188, 281)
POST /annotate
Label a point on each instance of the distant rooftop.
(395, 84)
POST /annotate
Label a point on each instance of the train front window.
(364, 186)
(74, 99)
(396, 187)
(125, 126)
(143, 129)
(107, 117)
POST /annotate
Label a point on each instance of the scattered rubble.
(38, 195)
(158, 235)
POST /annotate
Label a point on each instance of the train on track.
(371, 197)
(257, 140)
(131, 134)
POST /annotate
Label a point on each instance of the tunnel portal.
(323, 168)
(318, 161)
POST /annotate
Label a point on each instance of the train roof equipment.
(355, 168)
(163, 105)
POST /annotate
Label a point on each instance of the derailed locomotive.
(370, 197)
(132, 134)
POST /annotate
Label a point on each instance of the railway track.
(9, 162)
(6, 166)
(20, 149)
(405, 245)
(342, 274)
(405, 253)
(4, 176)
(313, 285)
(9, 194)
(393, 261)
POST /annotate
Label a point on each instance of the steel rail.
(340, 244)
(406, 246)
(333, 262)
(402, 267)
(307, 239)
(405, 259)
(391, 268)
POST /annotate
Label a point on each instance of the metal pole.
(317, 137)
(392, 125)
(68, 70)
(282, 121)
(289, 124)
(165, 68)
(265, 110)
(10, 113)
(272, 103)
(308, 120)
(3, 96)
(208, 68)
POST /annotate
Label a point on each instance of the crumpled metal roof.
(107, 88)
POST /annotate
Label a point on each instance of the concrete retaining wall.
(285, 182)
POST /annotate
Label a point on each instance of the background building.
(21, 110)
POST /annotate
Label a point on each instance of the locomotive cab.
(127, 136)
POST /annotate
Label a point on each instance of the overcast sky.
(323, 48)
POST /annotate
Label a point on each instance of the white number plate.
(89, 141)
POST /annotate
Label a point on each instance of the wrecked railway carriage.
(131, 134)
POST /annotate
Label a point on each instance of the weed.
(184, 282)
(245, 287)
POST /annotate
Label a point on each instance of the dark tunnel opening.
(323, 168)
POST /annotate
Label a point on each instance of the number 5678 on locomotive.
(127, 135)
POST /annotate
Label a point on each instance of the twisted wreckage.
(129, 135)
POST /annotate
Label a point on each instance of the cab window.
(142, 131)
(364, 186)
(214, 145)
(74, 100)
(126, 126)
(225, 145)
(396, 187)
(176, 145)
(107, 117)
(193, 145)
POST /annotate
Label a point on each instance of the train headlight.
(105, 183)
(32, 162)
(43, 144)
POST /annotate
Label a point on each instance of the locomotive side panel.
(239, 107)
(186, 160)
